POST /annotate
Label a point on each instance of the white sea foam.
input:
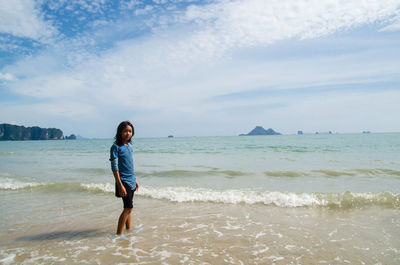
(8, 259)
(12, 184)
(280, 199)
(107, 187)
(229, 196)
(261, 251)
(186, 194)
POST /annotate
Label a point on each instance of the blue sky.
(194, 68)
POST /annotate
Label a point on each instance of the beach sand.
(82, 230)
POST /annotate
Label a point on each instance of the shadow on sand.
(73, 234)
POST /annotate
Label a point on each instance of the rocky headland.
(9, 132)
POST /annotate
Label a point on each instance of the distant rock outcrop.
(16, 132)
(329, 132)
(71, 137)
(259, 130)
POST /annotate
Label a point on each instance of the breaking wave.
(12, 184)
(345, 200)
(274, 198)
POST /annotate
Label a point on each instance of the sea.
(284, 199)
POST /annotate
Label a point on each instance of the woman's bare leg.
(123, 219)
(128, 222)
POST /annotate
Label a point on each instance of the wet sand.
(82, 231)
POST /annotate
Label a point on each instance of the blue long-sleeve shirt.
(122, 161)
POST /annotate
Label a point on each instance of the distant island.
(71, 137)
(259, 130)
(9, 132)
(330, 132)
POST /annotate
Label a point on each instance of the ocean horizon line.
(204, 136)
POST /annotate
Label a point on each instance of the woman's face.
(126, 134)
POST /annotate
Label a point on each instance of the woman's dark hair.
(121, 127)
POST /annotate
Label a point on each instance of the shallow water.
(192, 233)
(318, 199)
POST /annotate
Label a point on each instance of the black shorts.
(128, 199)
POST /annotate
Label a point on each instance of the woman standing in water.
(122, 167)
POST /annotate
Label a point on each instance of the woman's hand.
(122, 191)
(137, 186)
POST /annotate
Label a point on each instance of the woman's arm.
(121, 188)
(114, 167)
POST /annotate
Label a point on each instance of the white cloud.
(129, 5)
(172, 74)
(6, 76)
(91, 6)
(21, 18)
(122, 81)
(234, 24)
(144, 10)
(394, 26)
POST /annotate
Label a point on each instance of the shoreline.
(173, 232)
